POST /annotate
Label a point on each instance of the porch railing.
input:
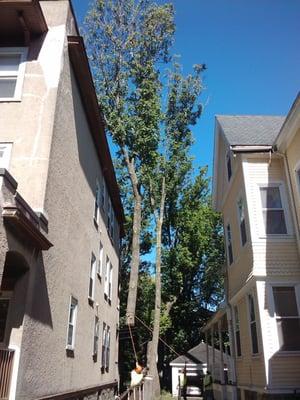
(6, 364)
(134, 393)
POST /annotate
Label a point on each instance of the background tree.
(128, 42)
(125, 40)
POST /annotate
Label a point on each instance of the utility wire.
(151, 330)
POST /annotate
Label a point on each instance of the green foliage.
(150, 119)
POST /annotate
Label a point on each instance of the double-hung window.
(100, 261)
(12, 69)
(253, 327)
(97, 204)
(228, 165)
(108, 280)
(272, 210)
(105, 347)
(103, 193)
(110, 219)
(72, 323)
(92, 277)
(297, 171)
(287, 314)
(242, 222)
(237, 332)
(96, 337)
(5, 150)
(229, 244)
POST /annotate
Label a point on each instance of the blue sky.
(252, 52)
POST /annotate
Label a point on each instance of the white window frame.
(97, 203)
(297, 177)
(284, 203)
(110, 279)
(73, 301)
(103, 350)
(272, 299)
(110, 219)
(6, 148)
(96, 336)
(240, 220)
(92, 277)
(19, 74)
(252, 294)
(227, 244)
(237, 323)
(103, 193)
(100, 260)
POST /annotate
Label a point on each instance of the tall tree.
(125, 40)
(173, 164)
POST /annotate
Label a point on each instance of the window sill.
(288, 353)
(107, 299)
(10, 100)
(91, 301)
(70, 352)
(96, 224)
(256, 355)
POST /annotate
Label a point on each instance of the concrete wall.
(56, 165)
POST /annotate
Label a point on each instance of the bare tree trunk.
(153, 371)
(136, 228)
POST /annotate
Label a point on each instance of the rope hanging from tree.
(133, 344)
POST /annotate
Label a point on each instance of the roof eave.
(18, 19)
(289, 127)
(85, 83)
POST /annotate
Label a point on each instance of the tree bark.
(136, 228)
(153, 371)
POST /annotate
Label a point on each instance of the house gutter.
(251, 149)
(292, 196)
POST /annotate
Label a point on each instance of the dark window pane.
(251, 308)
(70, 335)
(274, 221)
(229, 170)
(270, 197)
(289, 333)
(9, 62)
(285, 301)
(91, 288)
(7, 87)
(254, 338)
(230, 254)
(243, 232)
(238, 343)
(4, 303)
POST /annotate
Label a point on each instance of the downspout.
(289, 184)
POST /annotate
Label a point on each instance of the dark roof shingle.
(250, 129)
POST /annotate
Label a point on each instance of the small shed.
(195, 361)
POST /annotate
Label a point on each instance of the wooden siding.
(272, 254)
(293, 157)
(285, 371)
(241, 268)
(250, 368)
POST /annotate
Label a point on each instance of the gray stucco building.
(61, 216)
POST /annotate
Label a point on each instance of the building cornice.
(80, 64)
